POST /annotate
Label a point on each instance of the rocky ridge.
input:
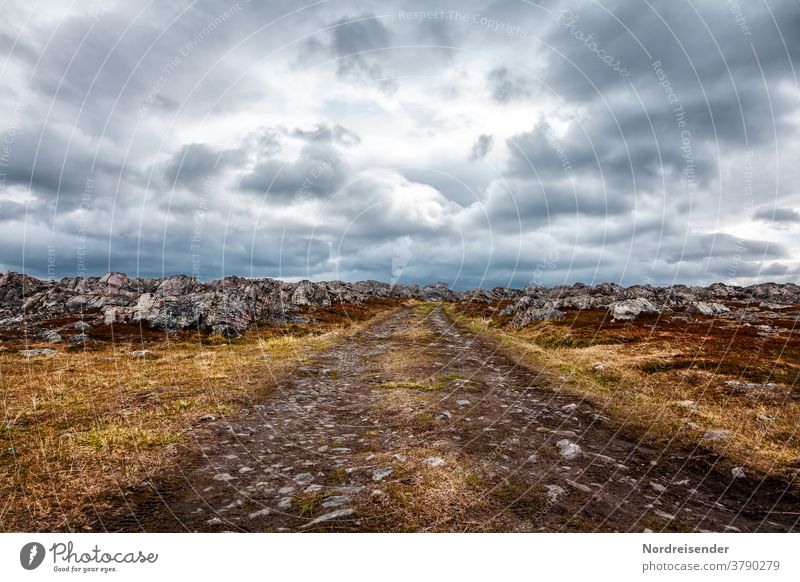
(229, 306)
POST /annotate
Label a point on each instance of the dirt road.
(415, 425)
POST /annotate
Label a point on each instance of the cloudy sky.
(478, 143)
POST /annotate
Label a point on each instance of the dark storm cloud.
(781, 216)
(139, 105)
(355, 42)
(505, 85)
(318, 172)
(196, 162)
(335, 134)
(481, 147)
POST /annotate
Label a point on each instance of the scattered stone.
(569, 407)
(381, 474)
(314, 488)
(400, 457)
(738, 473)
(286, 490)
(664, 514)
(304, 478)
(51, 336)
(569, 450)
(750, 386)
(223, 477)
(716, 435)
(658, 487)
(39, 352)
(463, 402)
(630, 309)
(445, 415)
(598, 367)
(767, 417)
(140, 353)
(207, 418)
(260, 513)
(579, 486)
(434, 461)
(336, 501)
(82, 326)
(338, 514)
(554, 492)
(214, 521)
(709, 308)
(285, 503)
(688, 404)
(81, 338)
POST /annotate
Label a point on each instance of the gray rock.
(82, 326)
(554, 492)
(51, 336)
(434, 461)
(333, 515)
(579, 486)
(207, 418)
(709, 308)
(304, 478)
(79, 339)
(717, 435)
(38, 352)
(630, 309)
(336, 501)
(750, 386)
(738, 473)
(569, 450)
(381, 474)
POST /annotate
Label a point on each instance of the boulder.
(630, 309)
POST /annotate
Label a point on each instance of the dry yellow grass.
(656, 405)
(81, 425)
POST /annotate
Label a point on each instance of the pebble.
(434, 461)
(657, 486)
(738, 473)
(207, 418)
(716, 435)
(285, 503)
(336, 501)
(554, 492)
(463, 402)
(304, 478)
(569, 450)
(338, 514)
(579, 486)
(40, 352)
(260, 513)
(380, 474)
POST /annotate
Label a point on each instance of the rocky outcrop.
(632, 308)
(229, 306)
(625, 304)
